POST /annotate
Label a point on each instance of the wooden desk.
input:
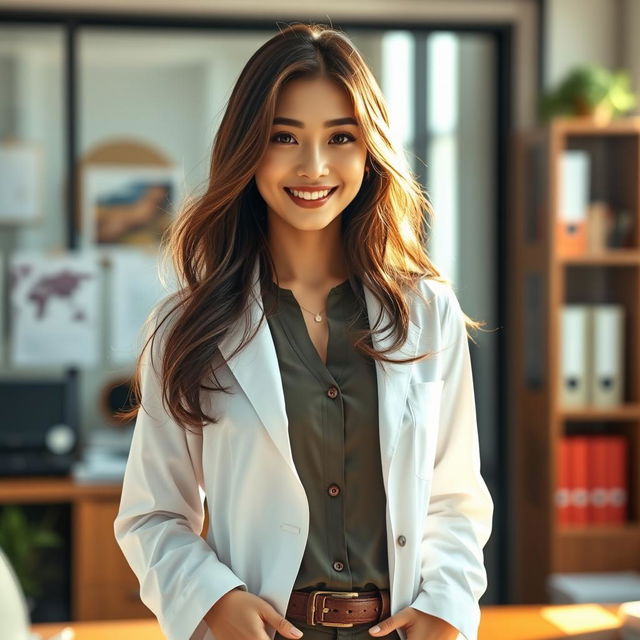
(107, 630)
(102, 584)
(507, 622)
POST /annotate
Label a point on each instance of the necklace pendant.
(318, 318)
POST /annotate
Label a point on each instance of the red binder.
(618, 487)
(578, 480)
(563, 479)
(599, 480)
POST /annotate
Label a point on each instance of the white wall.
(580, 31)
(630, 48)
(603, 32)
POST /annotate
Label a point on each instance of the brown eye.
(277, 137)
(348, 136)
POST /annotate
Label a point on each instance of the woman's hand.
(417, 625)
(241, 615)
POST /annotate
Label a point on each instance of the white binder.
(574, 356)
(607, 379)
(575, 185)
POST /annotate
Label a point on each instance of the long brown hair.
(219, 235)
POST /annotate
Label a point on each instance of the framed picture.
(128, 205)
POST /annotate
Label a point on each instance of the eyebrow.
(329, 123)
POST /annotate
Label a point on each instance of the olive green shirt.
(332, 412)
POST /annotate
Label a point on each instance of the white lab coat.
(258, 510)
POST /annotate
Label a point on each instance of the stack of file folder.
(603, 587)
(592, 484)
(592, 355)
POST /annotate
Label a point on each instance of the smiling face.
(315, 161)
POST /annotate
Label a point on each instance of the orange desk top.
(107, 630)
(502, 622)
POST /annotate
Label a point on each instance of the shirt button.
(332, 392)
(334, 490)
(338, 566)
(402, 541)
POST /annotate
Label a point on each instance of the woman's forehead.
(314, 101)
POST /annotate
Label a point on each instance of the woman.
(311, 379)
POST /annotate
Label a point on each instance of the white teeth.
(310, 195)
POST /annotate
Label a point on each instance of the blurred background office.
(107, 115)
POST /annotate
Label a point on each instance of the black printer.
(38, 429)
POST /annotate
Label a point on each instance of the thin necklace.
(316, 316)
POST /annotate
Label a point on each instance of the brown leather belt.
(338, 608)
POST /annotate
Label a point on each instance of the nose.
(313, 163)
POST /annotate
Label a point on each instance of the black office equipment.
(38, 430)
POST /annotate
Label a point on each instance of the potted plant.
(23, 542)
(592, 91)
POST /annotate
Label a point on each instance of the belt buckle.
(337, 594)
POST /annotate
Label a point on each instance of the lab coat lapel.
(256, 369)
(393, 379)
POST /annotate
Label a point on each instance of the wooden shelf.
(626, 530)
(611, 258)
(622, 413)
(542, 281)
(587, 126)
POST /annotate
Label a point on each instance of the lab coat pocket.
(424, 404)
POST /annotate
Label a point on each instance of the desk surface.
(47, 489)
(506, 622)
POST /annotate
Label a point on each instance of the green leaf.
(44, 538)
(591, 85)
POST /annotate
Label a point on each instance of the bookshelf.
(545, 277)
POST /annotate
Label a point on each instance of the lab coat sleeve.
(459, 516)
(161, 515)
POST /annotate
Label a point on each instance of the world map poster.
(54, 308)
